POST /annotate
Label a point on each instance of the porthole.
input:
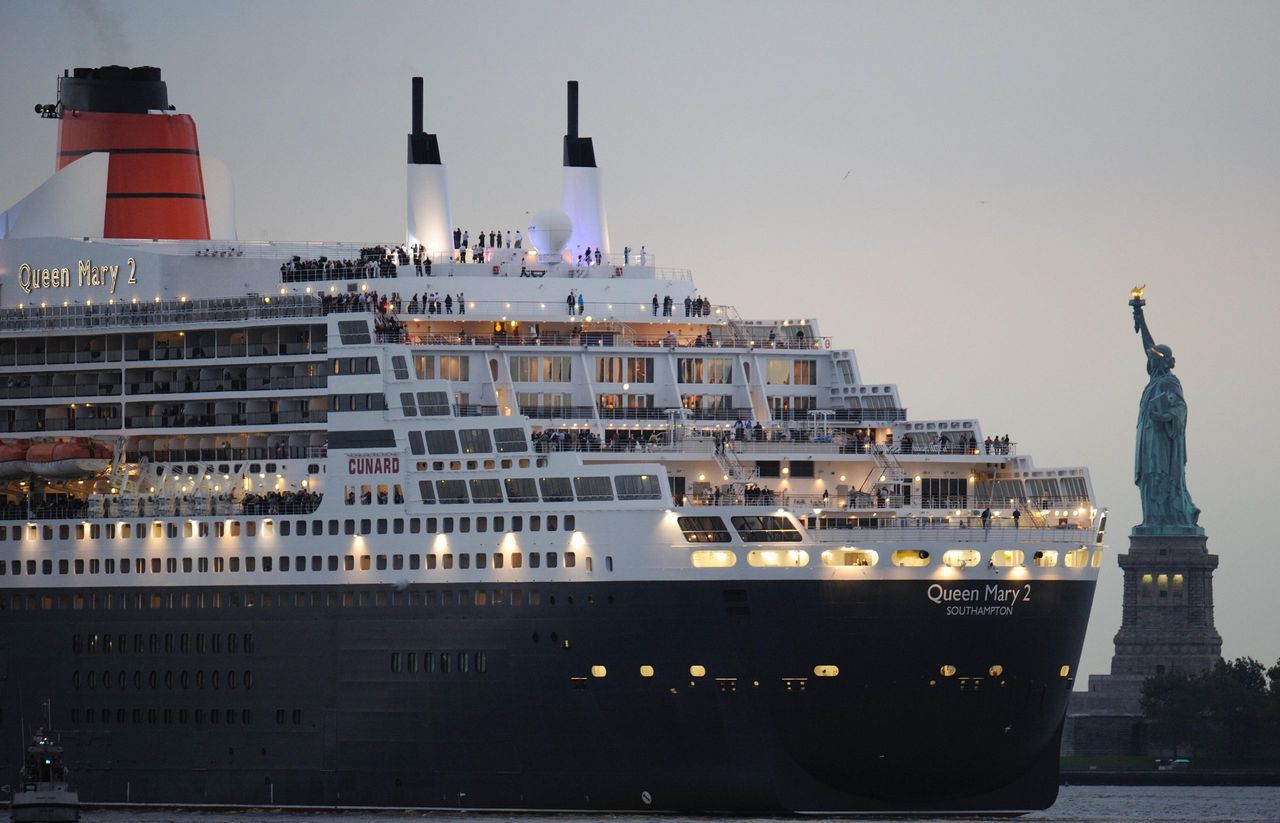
(911, 557)
(598, 671)
(961, 558)
(850, 557)
(697, 671)
(996, 670)
(947, 670)
(646, 671)
(718, 559)
(826, 671)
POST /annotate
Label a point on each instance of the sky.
(962, 192)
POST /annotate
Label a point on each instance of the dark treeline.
(1225, 717)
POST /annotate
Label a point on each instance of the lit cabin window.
(1007, 558)
(1065, 671)
(850, 557)
(768, 558)
(1046, 558)
(598, 671)
(719, 559)
(826, 671)
(646, 671)
(911, 557)
(697, 671)
(1077, 558)
(961, 558)
(1096, 562)
(996, 670)
(947, 671)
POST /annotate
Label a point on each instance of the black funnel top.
(114, 89)
(424, 149)
(578, 151)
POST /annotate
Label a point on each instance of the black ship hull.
(533, 697)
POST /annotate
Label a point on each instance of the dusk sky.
(964, 193)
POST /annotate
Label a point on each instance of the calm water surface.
(1076, 804)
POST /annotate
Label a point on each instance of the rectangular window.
(475, 441)
(638, 487)
(521, 490)
(555, 489)
(557, 369)
(407, 406)
(524, 369)
(424, 365)
(443, 441)
(486, 491)
(609, 370)
(433, 404)
(766, 529)
(455, 367)
(803, 468)
(593, 488)
(451, 491)
(639, 370)
(704, 530)
(510, 440)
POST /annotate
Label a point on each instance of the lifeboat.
(68, 458)
(13, 460)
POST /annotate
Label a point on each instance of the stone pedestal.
(1167, 626)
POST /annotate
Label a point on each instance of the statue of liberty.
(1161, 458)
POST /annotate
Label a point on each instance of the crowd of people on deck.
(554, 440)
(285, 502)
(996, 445)
(43, 508)
(942, 443)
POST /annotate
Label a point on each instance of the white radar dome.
(549, 232)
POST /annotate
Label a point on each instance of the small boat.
(45, 794)
(68, 458)
(13, 460)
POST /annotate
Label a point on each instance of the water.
(1076, 804)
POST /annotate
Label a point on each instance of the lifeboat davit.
(13, 460)
(68, 458)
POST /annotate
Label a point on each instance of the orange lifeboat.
(13, 460)
(68, 458)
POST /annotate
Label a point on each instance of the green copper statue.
(1161, 459)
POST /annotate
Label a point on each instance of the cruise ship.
(524, 524)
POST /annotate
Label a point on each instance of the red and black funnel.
(155, 188)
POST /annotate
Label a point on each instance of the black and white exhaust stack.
(583, 197)
(428, 218)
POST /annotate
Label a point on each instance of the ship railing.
(906, 529)
(120, 314)
(586, 338)
(235, 383)
(295, 503)
(183, 419)
(79, 422)
(786, 426)
(207, 351)
(475, 410)
(223, 454)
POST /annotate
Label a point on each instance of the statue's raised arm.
(1140, 320)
